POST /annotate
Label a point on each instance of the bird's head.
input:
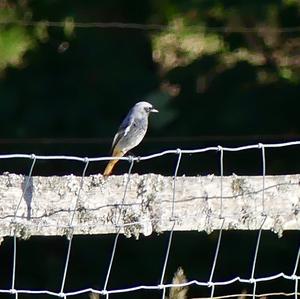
(145, 107)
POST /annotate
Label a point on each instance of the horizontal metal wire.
(152, 156)
(149, 27)
(157, 287)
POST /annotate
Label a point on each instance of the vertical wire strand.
(216, 258)
(297, 262)
(254, 290)
(118, 228)
(179, 152)
(164, 292)
(255, 255)
(223, 221)
(264, 176)
(256, 249)
(79, 191)
(167, 255)
(174, 181)
(166, 260)
(33, 157)
(66, 264)
(70, 236)
(14, 263)
(221, 179)
(260, 145)
(295, 272)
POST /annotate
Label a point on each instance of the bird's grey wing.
(123, 130)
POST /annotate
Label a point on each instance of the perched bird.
(131, 132)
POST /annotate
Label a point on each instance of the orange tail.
(112, 163)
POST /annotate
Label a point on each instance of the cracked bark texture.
(97, 205)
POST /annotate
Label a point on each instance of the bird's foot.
(131, 156)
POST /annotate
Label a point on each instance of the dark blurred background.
(220, 72)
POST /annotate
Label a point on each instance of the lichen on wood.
(144, 204)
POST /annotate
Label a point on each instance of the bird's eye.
(147, 109)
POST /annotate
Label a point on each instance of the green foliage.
(14, 42)
(235, 49)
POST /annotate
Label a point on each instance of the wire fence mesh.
(254, 278)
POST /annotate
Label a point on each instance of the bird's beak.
(154, 110)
